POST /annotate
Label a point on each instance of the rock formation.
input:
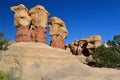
(41, 62)
(22, 22)
(31, 25)
(85, 46)
(39, 18)
(58, 32)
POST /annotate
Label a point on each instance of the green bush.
(12, 74)
(3, 75)
(107, 57)
(9, 75)
(3, 42)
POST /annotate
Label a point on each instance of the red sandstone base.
(40, 35)
(57, 42)
(23, 35)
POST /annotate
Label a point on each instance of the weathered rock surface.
(21, 16)
(58, 32)
(31, 25)
(40, 35)
(57, 27)
(39, 16)
(38, 61)
(86, 45)
(94, 41)
(57, 42)
(23, 35)
(22, 22)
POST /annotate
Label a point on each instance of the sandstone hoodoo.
(39, 16)
(22, 22)
(31, 25)
(85, 46)
(58, 32)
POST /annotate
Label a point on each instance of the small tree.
(3, 42)
(116, 39)
(111, 43)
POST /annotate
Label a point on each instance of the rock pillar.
(39, 18)
(58, 32)
(22, 22)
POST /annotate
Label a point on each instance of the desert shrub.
(3, 42)
(12, 74)
(107, 57)
(3, 75)
(9, 75)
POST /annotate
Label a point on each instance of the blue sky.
(82, 17)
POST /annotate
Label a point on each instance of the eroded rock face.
(40, 35)
(22, 22)
(57, 42)
(21, 16)
(32, 61)
(31, 25)
(39, 16)
(57, 27)
(23, 35)
(85, 46)
(58, 32)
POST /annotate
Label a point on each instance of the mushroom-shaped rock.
(39, 16)
(22, 22)
(58, 32)
(21, 16)
(57, 27)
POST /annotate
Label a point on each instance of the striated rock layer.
(57, 41)
(23, 35)
(38, 61)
